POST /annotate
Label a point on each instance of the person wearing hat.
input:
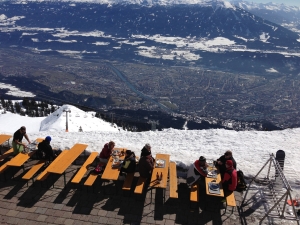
(229, 180)
(17, 143)
(146, 164)
(129, 163)
(145, 150)
(198, 172)
(45, 150)
(220, 163)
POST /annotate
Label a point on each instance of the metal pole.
(67, 130)
(67, 111)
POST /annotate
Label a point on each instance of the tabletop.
(112, 173)
(64, 162)
(4, 138)
(158, 170)
(217, 180)
(21, 158)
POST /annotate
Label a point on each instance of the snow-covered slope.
(248, 5)
(251, 149)
(76, 119)
(284, 15)
(56, 122)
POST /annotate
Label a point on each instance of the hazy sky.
(286, 2)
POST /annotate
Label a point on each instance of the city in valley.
(192, 92)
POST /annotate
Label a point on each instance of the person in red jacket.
(106, 152)
(104, 156)
(229, 180)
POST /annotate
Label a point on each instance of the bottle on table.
(161, 175)
(157, 176)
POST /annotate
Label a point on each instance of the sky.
(251, 149)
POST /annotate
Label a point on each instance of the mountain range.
(202, 58)
(213, 34)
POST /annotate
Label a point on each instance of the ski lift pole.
(67, 111)
(112, 118)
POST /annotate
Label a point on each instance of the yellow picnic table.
(158, 171)
(110, 172)
(156, 183)
(4, 138)
(19, 159)
(64, 162)
(217, 180)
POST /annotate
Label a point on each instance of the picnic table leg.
(4, 175)
(65, 178)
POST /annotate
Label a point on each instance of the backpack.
(241, 183)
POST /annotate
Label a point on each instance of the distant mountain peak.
(223, 3)
(248, 5)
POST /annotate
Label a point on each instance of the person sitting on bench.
(129, 163)
(146, 165)
(197, 172)
(229, 180)
(45, 150)
(145, 150)
(220, 163)
(104, 156)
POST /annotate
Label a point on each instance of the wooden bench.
(6, 154)
(194, 195)
(91, 179)
(127, 182)
(230, 201)
(84, 168)
(33, 170)
(140, 185)
(45, 173)
(173, 180)
(3, 167)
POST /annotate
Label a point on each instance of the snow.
(251, 149)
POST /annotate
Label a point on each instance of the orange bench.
(84, 168)
(194, 195)
(140, 185)
(6, 154)
(127, 182)
(173, 180)
(33, 170)
(230, 201)
(45, 173)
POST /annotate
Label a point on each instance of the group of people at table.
(225, 164)
(146, 161)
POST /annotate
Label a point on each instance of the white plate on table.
(214, 186)
(160, 163)
(116, 152)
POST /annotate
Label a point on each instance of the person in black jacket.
(45, 150)
(146, 149)
(129, 163)
(17, 143)
(221, 162)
